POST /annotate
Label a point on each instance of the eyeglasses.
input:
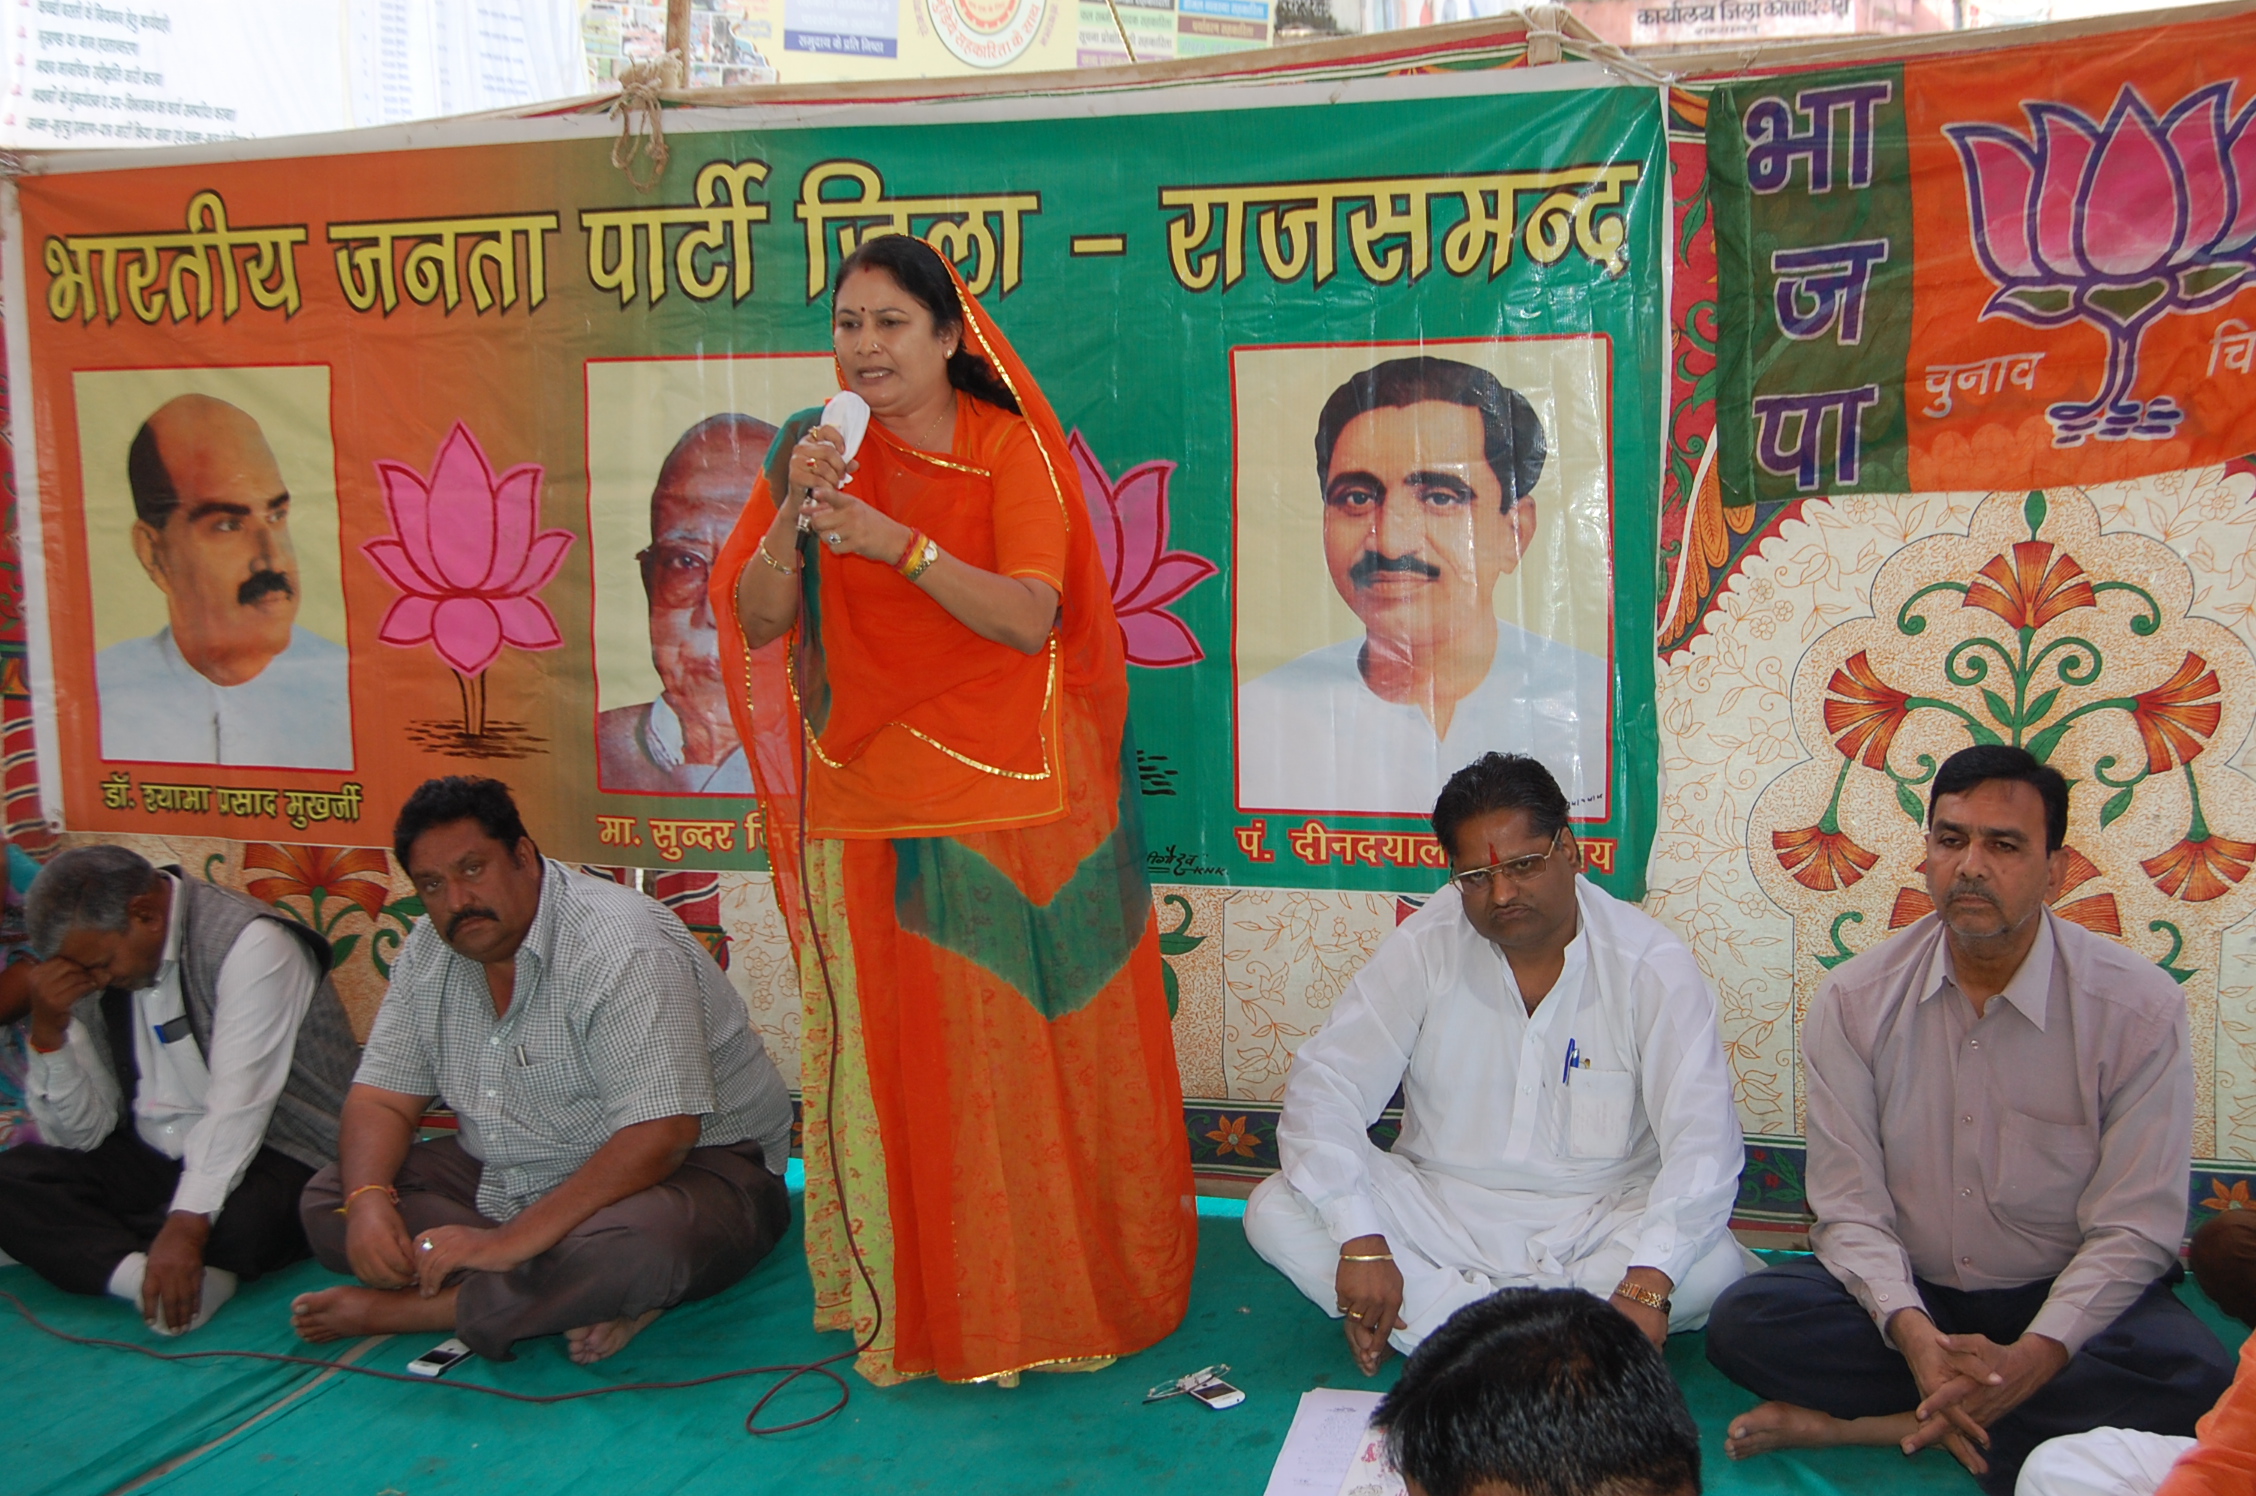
(1517, 871)
(677, 575)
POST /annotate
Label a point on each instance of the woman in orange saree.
(931, 685)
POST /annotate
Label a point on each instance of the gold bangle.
(364, 1189)
(762, 548)
(1366, 1257)
(926, 555)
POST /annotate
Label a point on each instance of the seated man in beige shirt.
(2000, 1131)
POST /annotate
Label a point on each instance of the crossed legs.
(685, 1238)
(1795, 1337)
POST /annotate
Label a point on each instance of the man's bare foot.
(591, 1343)
(1778, 1425)
(339, 1313)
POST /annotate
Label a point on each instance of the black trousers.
(72, 1217)
(1793, 1334)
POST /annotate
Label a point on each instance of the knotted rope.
(644, 145)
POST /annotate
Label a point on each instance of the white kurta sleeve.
(1342, 1077)
(1688, 1100)
(265, 987)
(71, 1094)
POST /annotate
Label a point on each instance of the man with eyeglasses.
(683, 743)
(1567, 1116)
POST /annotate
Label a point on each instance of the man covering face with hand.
(188, 1061)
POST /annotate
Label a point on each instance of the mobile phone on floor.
(1217, 1394)
(436, 1360)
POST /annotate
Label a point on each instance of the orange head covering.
(881, 653)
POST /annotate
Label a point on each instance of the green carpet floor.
(88, 1421)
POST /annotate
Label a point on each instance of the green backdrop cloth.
(90, 1421)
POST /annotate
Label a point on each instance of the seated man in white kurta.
(1567, 1115)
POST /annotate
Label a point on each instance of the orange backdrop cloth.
(988, 1067)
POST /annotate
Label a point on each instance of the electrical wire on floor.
(787, 1373)
(820, 1368)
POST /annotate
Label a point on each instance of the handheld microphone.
(849, 415)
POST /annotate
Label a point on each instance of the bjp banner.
(2014, 267)
(353, 462)
(1985, 386)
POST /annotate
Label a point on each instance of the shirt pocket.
(1599, 1106)
(2042, 1168)
(544, 1095)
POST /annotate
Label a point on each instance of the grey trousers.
(685, 1238)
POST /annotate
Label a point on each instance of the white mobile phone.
(438, 1358)
(1217, 1394)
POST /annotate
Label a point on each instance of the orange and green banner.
(2006, 268)
(355, 465)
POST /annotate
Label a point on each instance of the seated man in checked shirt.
(2000, 1132)
(1567, 1118)
(622, 1133)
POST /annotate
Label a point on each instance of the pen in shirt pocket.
(1575, 1061)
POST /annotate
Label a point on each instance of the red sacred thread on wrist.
(909, 552)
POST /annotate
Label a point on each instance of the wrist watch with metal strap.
(1651, 1298)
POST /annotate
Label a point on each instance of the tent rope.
(640, 150)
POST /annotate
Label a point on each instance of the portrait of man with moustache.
(231, 679)
(1427, 467)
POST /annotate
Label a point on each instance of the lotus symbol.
(469, 557)
(2115, 224)
(1130, 515)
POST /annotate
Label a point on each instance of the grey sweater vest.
(304, 1124)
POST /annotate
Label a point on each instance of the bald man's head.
(716, 462)
(204, 442)
(213, 532)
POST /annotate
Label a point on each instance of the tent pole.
(677, 32)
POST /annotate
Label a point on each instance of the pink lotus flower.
(463, 548)
(2116, 224)
(1131, 529)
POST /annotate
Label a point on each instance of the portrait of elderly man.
(623, 1134)
(1567, 1115)
(1426, 467)
(2000, 1128)
(683, 743)
(231, 678)
(188, 1060)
